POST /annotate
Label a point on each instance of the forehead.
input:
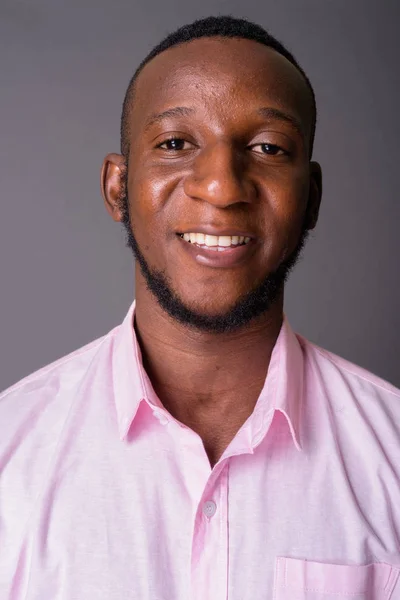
(221, 75)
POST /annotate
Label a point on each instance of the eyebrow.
(276, 114)
(265, 112)
(177, 111)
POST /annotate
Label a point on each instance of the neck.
(205, 379)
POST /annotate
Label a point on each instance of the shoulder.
(33, 415)
(34, 410)
(330, 366)
(39, 401)
(52, 380)
(361, 406)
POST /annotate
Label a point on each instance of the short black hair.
(221, 26)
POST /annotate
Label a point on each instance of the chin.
(212, 299)
(212, 310)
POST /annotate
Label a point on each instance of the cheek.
(153, 189)
(151, 207)
(143, 216)
(285, 211)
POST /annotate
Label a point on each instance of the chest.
(154, 521)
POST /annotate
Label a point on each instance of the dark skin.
(237, 168)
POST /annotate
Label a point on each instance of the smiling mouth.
(219, 243)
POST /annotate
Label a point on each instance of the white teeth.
(200, 238)
(211, 240)
(215, 242)
(225, 241)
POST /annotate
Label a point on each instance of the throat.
(209, 383)
(215, 419)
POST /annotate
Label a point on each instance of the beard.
(251, 305)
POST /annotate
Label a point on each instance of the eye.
(174, 145)
(269, 149)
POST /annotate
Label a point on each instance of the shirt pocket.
(307, 580)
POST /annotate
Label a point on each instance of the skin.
(223, 177)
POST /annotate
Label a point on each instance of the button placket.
(210, 545)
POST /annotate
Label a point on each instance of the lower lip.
(227, 258)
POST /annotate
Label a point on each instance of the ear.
(111, 181)
(314, 196)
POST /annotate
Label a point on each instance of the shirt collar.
(282, 389)
(131, 383)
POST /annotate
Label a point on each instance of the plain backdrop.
(66, 276)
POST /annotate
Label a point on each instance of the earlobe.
(111, 181)
(315, 195)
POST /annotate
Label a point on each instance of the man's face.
(219, 146)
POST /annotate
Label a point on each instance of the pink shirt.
(104, 496)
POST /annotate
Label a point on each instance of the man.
(202, 450)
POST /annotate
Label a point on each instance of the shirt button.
(209, 508)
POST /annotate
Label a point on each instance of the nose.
(218, 176)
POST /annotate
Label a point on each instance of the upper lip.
(217, 231)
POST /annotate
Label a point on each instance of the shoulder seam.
(57, 363)
(328, 355)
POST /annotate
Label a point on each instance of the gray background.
(66, 276)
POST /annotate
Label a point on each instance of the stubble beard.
(251, 305)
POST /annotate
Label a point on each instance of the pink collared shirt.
(104, 496)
